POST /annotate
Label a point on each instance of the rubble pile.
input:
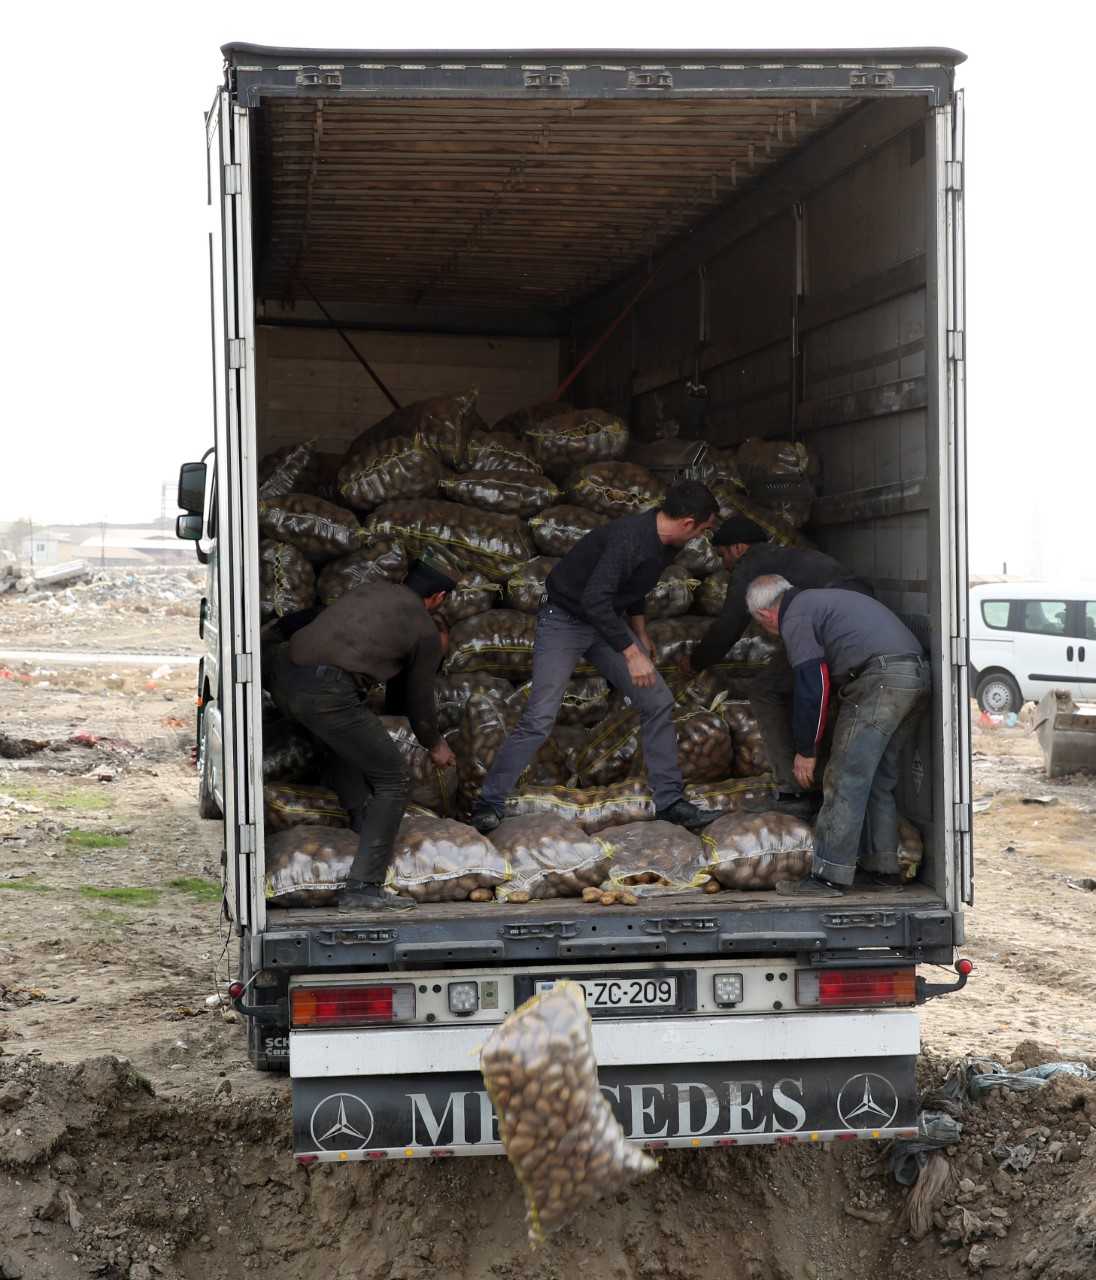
(162, 589)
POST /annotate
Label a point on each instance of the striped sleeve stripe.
(824, 702)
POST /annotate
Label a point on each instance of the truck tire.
(207, 802)
(267, 1043)
(998, 693)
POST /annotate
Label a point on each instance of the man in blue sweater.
(848, 641)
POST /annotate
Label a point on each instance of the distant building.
(121, 548)
(46, 547)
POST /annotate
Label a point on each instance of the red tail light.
(853, 988)
(351, 1006)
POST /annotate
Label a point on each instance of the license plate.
(623, 993)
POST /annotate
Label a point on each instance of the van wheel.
(207, 802)
(998, 693)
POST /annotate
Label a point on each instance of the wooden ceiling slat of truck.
(483, 202)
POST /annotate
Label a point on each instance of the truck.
(762, 243)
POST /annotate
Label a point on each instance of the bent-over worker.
(370, 634)
(746, 552)
(594, 608)
(876, 663)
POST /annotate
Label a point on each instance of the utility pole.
(102, 544)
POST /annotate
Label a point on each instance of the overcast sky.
(107, 382)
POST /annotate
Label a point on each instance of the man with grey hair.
(852, 642)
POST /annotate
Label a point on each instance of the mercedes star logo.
(867, 1101)
(341, 1122)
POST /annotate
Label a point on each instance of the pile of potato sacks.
(497, 507)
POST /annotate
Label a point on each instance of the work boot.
(368, 895)
(684, 814)
(485, 817)
(797, 804)
(811, 887)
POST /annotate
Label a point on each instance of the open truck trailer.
(782, 229)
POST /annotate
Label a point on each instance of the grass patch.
(132, 897)
(25, 886)
(79, 799)
(207, 890)
(79, 839)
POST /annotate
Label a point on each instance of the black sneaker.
(797, 804)
(485, 817)
(684, 814)
(811, 887)
(364, 895)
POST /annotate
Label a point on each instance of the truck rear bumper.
(684, 1104)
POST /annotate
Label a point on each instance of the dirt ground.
(136, 1141)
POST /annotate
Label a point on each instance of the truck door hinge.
(639, 79)
(233, 180)
(547, 78)
(237, 353)
(248, 839)
(956, 344)
(962, 818)
(867, 79)
(960, 651)
(953, 175)
(319, 78)
(242, 668)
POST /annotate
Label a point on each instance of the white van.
(1029, 637)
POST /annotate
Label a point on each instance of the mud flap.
(683, 1105)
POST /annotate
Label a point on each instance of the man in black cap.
(747, 553)
(370, 634)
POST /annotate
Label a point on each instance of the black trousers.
(370, 774)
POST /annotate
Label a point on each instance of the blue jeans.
(561, 642)
(875, 714)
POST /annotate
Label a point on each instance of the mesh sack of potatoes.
(557, 529)
(499, 641)
(728, 794)
(443, 423)
(485, 725)
(500, 451)
(711, 595)
(517, 493)
(755, 850)
(526, 585)
(474, 594)
(428, 785)
(593, 808)
(387, 470)
(381, 559)
(287, 581)
(451, 694)
(439, 860)
(569, 740)
(656, 857)
(615, 488)
(549, 857)
(776, 523)
(286, 805)
(518, 421)
(699, 558)
(703, 690)
(307, 865)
(322, 530)
(719, 466)
(293, 469)
(585, 700)
(574, 439)
(672, 638)
(750, 756)
(559, 1131)
(905, 861)
(290, 754)
(477, 541)
(611, 750)
(672, 594)
(755, 648)
(705, 749)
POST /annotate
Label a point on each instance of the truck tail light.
(352, 1006)
(853, 988)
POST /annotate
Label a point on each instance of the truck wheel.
(207, 802)
(998, 693)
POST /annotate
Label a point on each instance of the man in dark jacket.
(594, 608)
(746, 552)
(372, 633)
(855, 644)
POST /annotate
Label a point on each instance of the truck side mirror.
(189, 527)
(192, 487)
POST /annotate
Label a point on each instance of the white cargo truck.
(778, 233)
